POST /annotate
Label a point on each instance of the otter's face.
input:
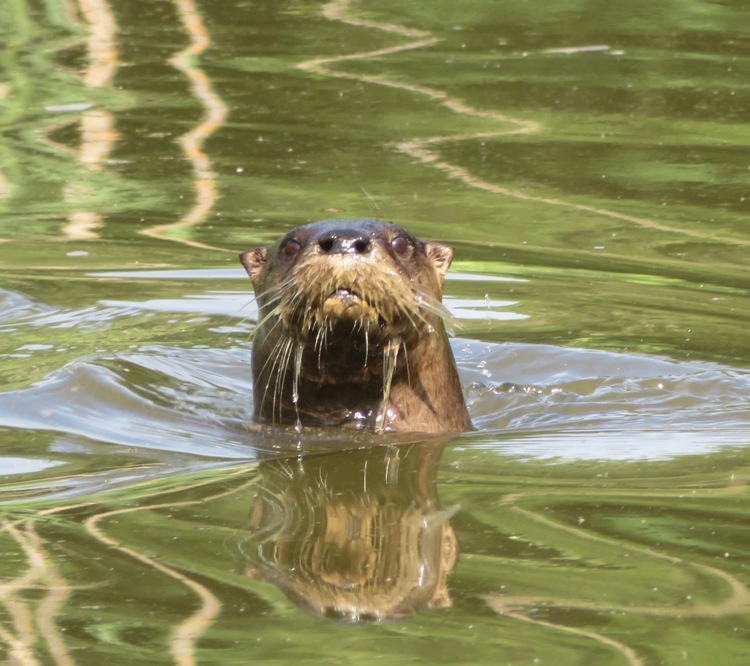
(345, 278)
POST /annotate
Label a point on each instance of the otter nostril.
(344, 243)
(326, 244)
(361, 245)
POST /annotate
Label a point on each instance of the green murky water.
(589, 162)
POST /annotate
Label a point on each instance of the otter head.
(348, 286)
(351, 321)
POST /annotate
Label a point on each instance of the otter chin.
(351, 330)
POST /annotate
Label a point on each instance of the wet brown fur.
(351, 330)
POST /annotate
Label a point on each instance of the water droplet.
(297, 372)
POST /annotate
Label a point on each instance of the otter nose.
(344, 242)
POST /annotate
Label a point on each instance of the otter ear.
(254, 260)
(441, 257)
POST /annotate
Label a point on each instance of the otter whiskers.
(390, 358)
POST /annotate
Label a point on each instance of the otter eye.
(291, 247)
(400, 245)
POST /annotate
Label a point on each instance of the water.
(589, 164)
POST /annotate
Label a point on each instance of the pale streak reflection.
(215, 113)
(426, 150)
(98, 135)
(32, 619)
(4, 185)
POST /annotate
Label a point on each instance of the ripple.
(91, 400)
(15, 306)
(528, 400)
(577, 403)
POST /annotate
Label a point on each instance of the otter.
(350, 330)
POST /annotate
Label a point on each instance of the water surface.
(588, 162)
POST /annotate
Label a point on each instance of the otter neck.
(402, 386)
(356, 394)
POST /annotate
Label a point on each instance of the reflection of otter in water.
(354, 535)
(351, 330)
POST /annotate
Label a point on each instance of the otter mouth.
(342, 318)
(334, 311)
(345, 294)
